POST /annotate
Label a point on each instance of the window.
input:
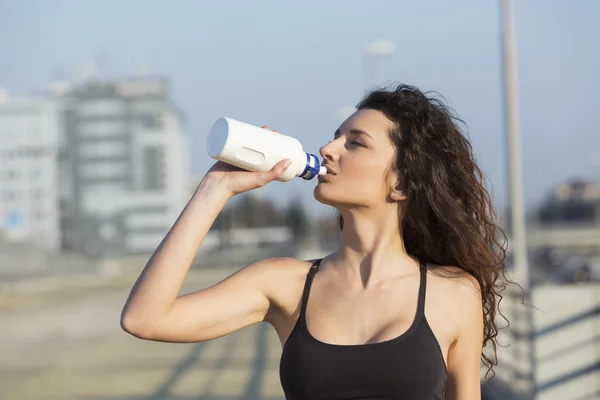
(35, 173)
(104, 170)
(10, 174)
(101, 108)
(153, 168)
(105, 187)
(146, 107)
(37, 194)
(103, 148)
(34, 131)
(107, 231)
(11, 196)
(102, 129)
(151, 122)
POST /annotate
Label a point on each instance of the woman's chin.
(322, 196)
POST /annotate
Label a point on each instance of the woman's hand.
(237, 180)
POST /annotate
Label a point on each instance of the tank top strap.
(307, 284)
(422, 290)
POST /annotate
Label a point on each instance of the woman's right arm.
(154, 311)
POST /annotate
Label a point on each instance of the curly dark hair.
(448, 217)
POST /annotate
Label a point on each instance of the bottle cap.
(322, 170)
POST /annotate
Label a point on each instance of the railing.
(554, 350)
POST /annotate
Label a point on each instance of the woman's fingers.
(266, 127)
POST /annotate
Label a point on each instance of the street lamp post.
(375, 50)
(521, 267)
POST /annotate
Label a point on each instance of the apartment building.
(126, 166)
(30, 129)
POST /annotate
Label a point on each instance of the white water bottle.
(256, 149)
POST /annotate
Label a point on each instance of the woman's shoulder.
(454, 295)
(281, 265)
(452, 279)
(282, 280)
(281, 275)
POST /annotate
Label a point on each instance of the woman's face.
(358, 157)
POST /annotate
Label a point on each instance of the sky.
(294, 65)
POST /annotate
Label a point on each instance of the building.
(99, 169)
(30, 129)
(125, 166)
(573, 202)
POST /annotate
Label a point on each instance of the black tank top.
(410, 366)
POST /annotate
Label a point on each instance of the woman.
(401, 310)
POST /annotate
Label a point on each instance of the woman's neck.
(373, 247)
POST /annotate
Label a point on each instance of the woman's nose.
(328, 151)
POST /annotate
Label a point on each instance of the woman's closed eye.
(352, 143)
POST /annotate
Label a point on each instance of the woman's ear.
(397, 194)
(395, 188)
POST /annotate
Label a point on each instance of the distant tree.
(568, 211)
(297, 219)
(329, 229)
(250, 212)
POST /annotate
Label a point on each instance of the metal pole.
(519, 245)
(514, 149)
(375, 50)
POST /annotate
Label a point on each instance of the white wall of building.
(29, 199)
(112, 178)
(169, 137)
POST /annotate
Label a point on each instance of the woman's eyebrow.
(353, 131)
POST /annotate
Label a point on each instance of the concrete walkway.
(67, 344)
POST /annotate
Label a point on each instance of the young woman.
(401, 310)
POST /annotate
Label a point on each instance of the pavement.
(61, 339)
(64, 341)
